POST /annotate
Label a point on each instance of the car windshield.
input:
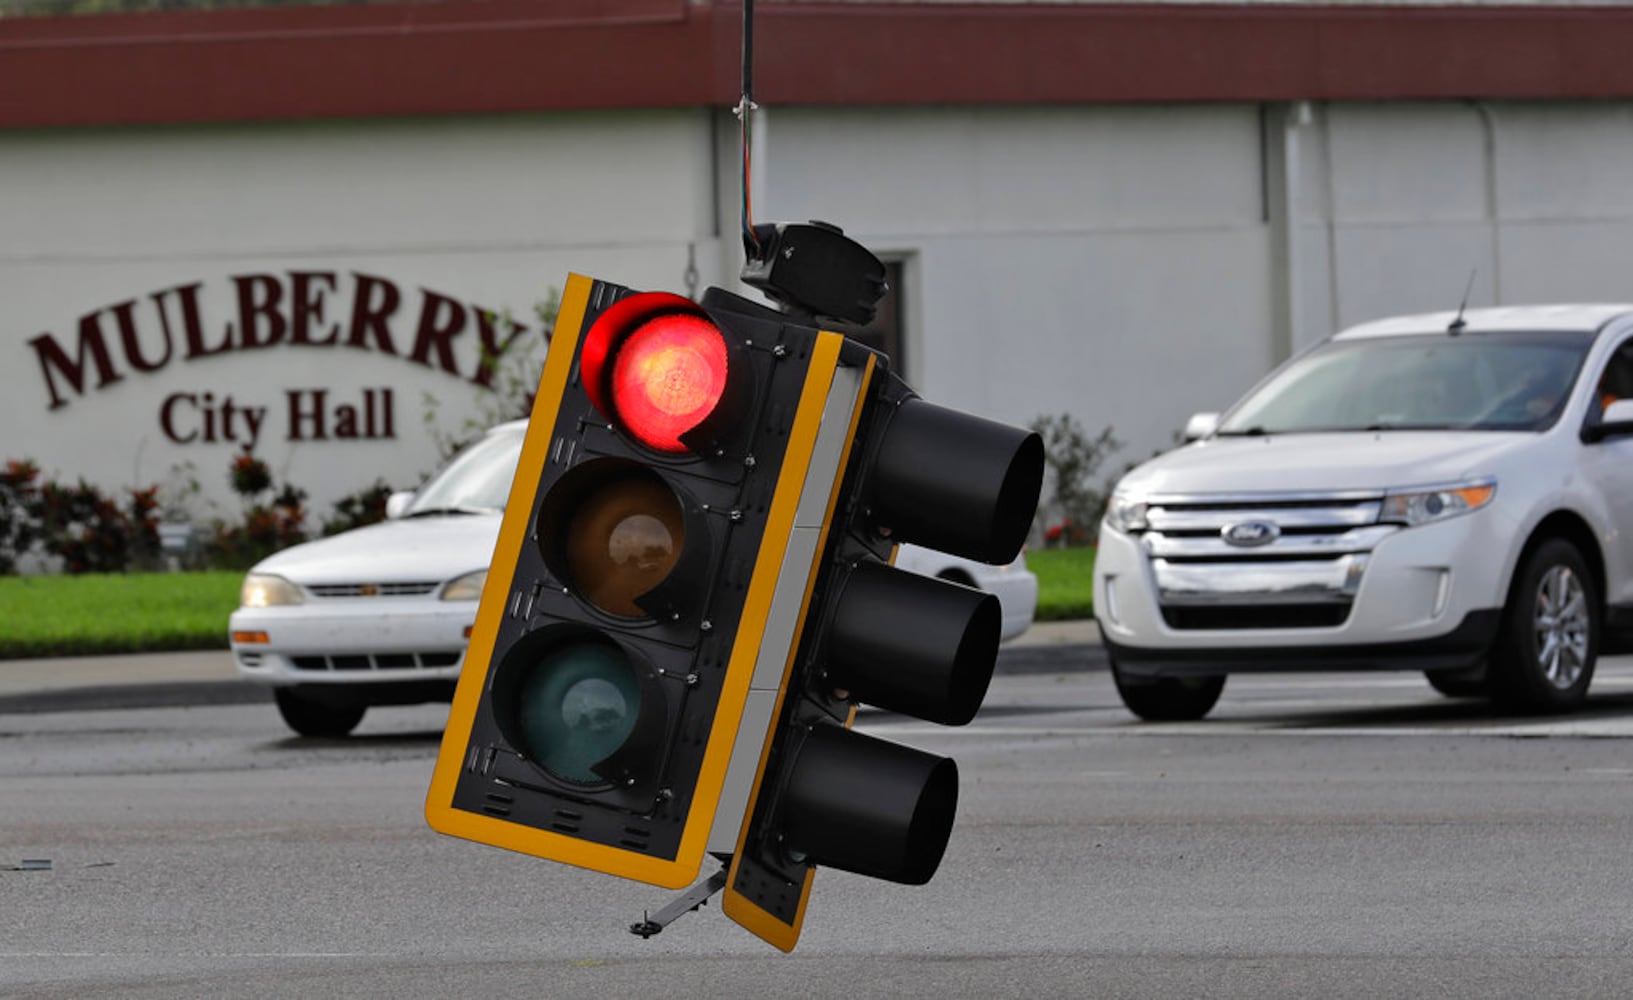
(1495, 382)
(476, 479)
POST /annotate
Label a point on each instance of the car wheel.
(315, 718)
(1549, 638)
(1167, 699)
(1458, 683)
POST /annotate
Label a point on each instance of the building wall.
(1069, 259)
(452, 214)
(1407, 201)
(1129, 264)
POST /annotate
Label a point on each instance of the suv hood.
(1358, 460)
(420, 549)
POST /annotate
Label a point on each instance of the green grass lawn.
(149, 612)
(115, 613)
(1065, 582)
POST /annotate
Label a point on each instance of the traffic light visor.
(913, 644)
(657, 367)
(955, 482)
(869, 806)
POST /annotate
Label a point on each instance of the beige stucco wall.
(1129, 264)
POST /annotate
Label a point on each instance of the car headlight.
(1126, 512)
(263, 590)
(466, 588)
(1436, 503)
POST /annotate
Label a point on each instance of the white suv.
(1450, 493)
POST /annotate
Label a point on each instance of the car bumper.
(352, 642)
(1463, 648)
(1427, 598)
(1017, 594)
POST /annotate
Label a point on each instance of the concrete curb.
(173, 680)
(171, 694)
(1051, 659)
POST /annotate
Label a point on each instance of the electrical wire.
(745, 116)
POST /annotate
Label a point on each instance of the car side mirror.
(1200, 426)
(397, 503)
(1616, 421)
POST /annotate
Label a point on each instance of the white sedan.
(1014, 585)
(380, 615)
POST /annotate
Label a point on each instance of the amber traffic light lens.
(623, 537)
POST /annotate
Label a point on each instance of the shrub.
(357, 509)
(249, 475)
(1072, 505)
(19, 512)
(266, 525)
(88, 531)
(91, 533)
(144, 516)
(512, 380)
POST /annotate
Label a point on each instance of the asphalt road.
(160, 680)
(1321, 835)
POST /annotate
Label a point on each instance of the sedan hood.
(1362, 460)
(413, 550)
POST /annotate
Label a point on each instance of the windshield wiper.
(1412, 427)
(1257, 430)
(446, 511)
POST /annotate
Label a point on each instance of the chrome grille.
(371, 589)
(1297, 562)
(376, 661)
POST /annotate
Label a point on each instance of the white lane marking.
(1595, 729)
(213, 955)
(1330, 683)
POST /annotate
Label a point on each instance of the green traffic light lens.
(576, 706)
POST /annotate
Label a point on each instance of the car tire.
(1168, 699)
(323, 720)
(1548, 642)
(1458, 683)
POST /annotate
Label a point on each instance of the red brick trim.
(476, 56)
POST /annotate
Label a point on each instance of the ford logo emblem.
(1248, 534)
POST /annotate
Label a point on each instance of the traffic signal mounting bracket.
(685, 903)
(816, 270)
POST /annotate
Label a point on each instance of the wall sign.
(294, 310)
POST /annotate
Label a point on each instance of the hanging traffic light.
(824, 794)
(634, 588)
(692, 591)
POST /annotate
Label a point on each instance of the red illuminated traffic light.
(664, 373)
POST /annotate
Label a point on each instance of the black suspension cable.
(745, 116)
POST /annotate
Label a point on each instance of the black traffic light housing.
(692, 591)
(878, 635)
(633, 580)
